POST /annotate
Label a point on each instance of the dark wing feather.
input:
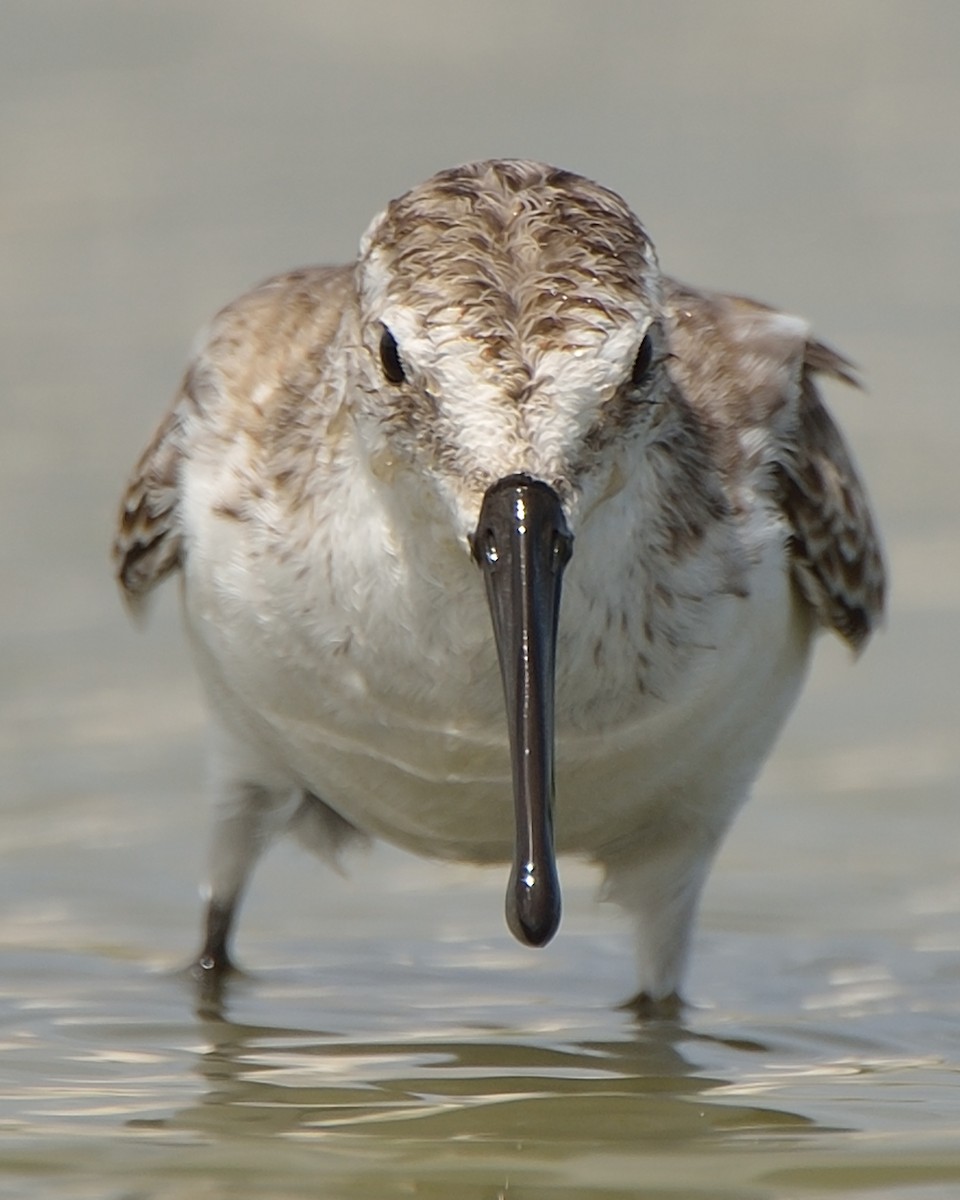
(261, 351)
(147, 546)
(835, 550)
(748, 371)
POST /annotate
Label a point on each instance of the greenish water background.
(156, 159)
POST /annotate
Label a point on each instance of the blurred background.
(158, 158)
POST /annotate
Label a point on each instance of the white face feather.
(513, 360)
(488, 434)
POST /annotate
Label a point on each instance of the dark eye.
(562, 548)
(643, 362)
(390, 358)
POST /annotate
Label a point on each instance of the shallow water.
(390, 1038)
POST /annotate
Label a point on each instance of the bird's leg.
(660, 888)
(214, 957)
(248, 816)
(648, 1008)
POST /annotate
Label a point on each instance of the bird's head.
(511, 355)
(510, 320)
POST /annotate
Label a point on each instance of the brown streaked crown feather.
(507, 251)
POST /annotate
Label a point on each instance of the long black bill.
(522, 544)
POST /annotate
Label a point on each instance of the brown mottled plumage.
(319, 482)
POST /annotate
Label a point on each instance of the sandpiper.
(372, 482)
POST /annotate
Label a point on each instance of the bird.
(500, 544)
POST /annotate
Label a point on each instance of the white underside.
(383, 698)
(395, 717)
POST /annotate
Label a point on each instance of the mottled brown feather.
(266, 348)
(746, 371)
(834, 545)
(146, 548)
(749, 372)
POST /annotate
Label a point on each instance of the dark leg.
(248, 817)
(213, 965)
(214, 957)
(647, 1008)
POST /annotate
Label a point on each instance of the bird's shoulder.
(749, 373)
(263, 350)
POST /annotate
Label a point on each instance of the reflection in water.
(470, 1115)
(481, 1088)
(480, 1092)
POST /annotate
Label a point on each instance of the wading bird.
(372, 483)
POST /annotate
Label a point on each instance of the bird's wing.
(147, 543)
(749, 372)
(259, 347)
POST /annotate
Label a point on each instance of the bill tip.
(533, 906)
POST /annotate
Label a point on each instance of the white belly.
(393, 713)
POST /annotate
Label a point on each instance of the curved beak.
(522, 545)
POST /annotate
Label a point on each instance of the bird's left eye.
(390, 359)
(643, 362)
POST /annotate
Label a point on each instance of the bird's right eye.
(390, 359)
(643, 362)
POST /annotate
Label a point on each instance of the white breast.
(369, 674)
